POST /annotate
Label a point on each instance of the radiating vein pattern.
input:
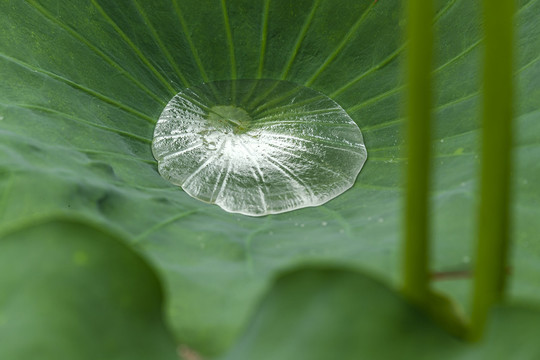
(233, 156)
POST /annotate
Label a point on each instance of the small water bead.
(258, 147)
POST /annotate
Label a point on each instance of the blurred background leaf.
(321, 313)
(70, 291)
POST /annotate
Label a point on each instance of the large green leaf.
(323, 313)
(84, 81)
(70, 291)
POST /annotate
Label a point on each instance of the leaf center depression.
(258, 147)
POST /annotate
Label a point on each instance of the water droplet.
(324, 223)
(466, 259)
(258, 147)
(302, 225)
(380, 220)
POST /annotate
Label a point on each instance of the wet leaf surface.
(83, 84)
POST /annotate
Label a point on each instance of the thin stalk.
(419, 66)
(493, 230)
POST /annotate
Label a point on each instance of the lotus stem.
(493, 221)
(419, 66)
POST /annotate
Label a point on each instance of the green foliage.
(84, 81)
(71, 291)
(337, 313)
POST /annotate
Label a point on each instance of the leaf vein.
(300, 39)
(341, 44)
(264, 36)
(84, 89)
(226, 20)
(86, 122)
(95, 49)
(137, 51)
(160, 43)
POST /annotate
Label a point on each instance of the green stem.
(493, 231)
(419, 66)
